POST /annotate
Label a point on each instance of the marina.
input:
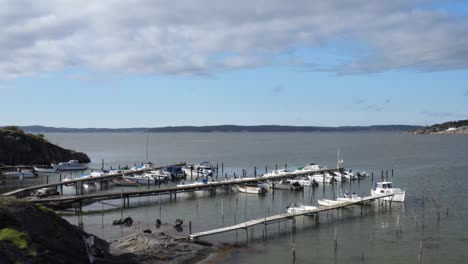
(212, 203)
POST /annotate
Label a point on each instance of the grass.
(45, 209)
(17, 238)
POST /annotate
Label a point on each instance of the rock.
(17, 147)
(147, 231)
(49, 238)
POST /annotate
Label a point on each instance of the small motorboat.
(124, 182)
(327, 203)
(285, 185)
(20, 174)
(324, 178)
(276, 173)
(299, 208)
(202, 169)
(71, 165)
(252, 188)
(349, 198)
(305, 182)
(383, 188)
(46, 169)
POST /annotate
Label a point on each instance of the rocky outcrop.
(161, 248)
(19, 148)
(453, 127)
(46, 237)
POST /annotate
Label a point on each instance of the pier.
(104, 178)
(283, 217)
(89, 198)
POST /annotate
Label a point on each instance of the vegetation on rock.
(17, 238)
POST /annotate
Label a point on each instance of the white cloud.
(193, 37)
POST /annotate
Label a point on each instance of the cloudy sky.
(157, 63)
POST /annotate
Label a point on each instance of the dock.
(103, 178)
(283, 217)
(89, 198)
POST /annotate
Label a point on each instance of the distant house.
(451, 129)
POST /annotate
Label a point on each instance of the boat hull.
(398, 196)
(251, 189)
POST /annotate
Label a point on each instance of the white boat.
(202, 169)
(144, 166)
(285, 185)
(383, 188)
(161, 175)
(349, 198)
(337, 176)
(326, 202)
(93, 174)
(149, 177)
(254, 189)
(71, 165)
(311, 167)
(20, 174)
(276, 173)
(49, 169)
(304, 182)
(299, 208)
(324, 178)
(348, 175)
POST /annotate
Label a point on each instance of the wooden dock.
(282, 217)
(103, 178)
(140, 193)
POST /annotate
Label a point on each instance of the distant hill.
(452, 127)
(224, 128)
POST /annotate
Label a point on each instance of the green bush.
(17, 238)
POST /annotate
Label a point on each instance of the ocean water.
(433, 169)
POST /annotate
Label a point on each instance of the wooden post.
(222, 167)
(255, 172)
(190, 227)
(266, 168)
(420, 260)
(285, 166)
(336, 240)
(47, 179)
(276, 166)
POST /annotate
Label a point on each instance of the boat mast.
(147, 146)
(338, 160)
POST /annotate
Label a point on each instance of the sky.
(152, 63)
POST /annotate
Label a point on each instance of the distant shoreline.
(224, 128)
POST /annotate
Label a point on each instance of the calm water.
(432, 169)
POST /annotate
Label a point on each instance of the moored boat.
(124, 182)
(326, 202)
(276, 173)
(285, 185)
(70, 165)
(299, 208)
(203, 169)
(383, 188)
(252, 188)
(20, 174)
(46, 169)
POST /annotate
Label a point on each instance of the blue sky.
(365, 63)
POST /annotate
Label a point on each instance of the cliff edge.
(18, 147)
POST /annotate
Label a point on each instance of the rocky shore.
(162, 248)
(35, 234)
(20, 148)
